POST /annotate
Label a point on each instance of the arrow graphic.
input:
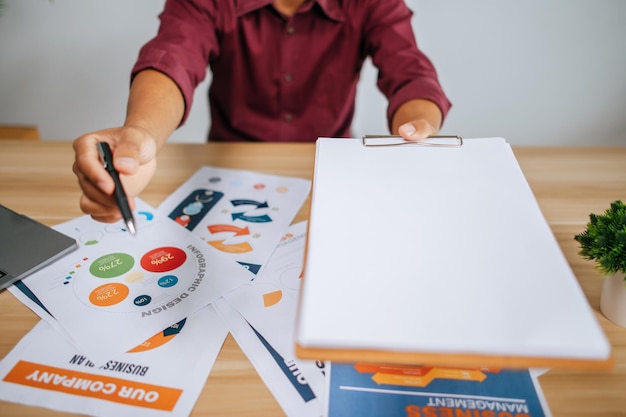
(232, 248)
(218, 228)
(242, 202)
(252, 219)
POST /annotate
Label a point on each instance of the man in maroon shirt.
(283, 70)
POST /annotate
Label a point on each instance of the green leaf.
(604, 239)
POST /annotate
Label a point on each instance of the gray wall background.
(533, 71)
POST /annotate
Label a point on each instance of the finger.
(101, 212)
(87, 164)
(95, 193)
(416, 130)
(135, 148)
(108, 212)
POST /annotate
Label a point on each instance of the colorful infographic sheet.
(117, 290)
(161, 377)
(240, 214)
(261, 319)
(113, 297)
(368, 390)
(287, 377)
(270, 304)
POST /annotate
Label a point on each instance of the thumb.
(134, 149)
(416, 130)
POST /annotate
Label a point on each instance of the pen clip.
(105, 154)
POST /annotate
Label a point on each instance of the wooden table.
(36, 179)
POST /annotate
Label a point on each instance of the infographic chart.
(261, 317)
(241, 215)
(270, 304)
(117, 291)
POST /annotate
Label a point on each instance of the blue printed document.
(369, 390)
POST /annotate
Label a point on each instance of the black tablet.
(27, 245)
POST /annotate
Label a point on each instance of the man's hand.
(134, 157)
(416, 120)
(417, 130)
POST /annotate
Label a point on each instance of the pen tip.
(131, 227)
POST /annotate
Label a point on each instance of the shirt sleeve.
(182, 47)
(405, 72)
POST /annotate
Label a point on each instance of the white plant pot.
(613, 299)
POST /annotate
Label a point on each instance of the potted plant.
(604, 241)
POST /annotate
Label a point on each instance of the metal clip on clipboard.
(396, 140)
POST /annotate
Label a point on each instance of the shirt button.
(288, 78)
(291, 30)
(288, 117)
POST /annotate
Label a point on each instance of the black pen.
(120, 194)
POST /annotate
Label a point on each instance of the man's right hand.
(134, 157)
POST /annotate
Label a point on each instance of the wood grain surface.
(36, 179)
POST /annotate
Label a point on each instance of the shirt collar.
(331, 8)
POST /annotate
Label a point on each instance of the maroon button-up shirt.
(280, 78)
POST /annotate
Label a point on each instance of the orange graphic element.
(108, 294)
(369, 368)
(154, 342)
(414, 376)
(272, 298)
(232, 248)
(94, 386)
(462, 374)
(403, 380)
(218, 228)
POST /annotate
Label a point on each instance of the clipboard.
(437, 255)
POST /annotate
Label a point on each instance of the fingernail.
(407, 129)
(126, 164)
